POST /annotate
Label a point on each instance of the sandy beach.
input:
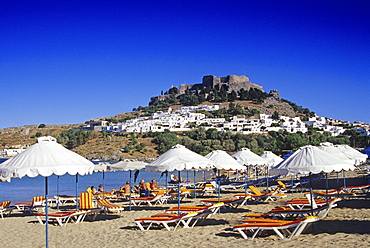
(347, 225)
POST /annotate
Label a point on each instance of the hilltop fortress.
(230, 82)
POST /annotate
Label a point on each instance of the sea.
(20, 190)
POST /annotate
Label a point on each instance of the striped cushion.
(4, 204)
(86, 201)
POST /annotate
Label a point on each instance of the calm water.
(23, 189)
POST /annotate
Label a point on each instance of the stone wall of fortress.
(233, 81)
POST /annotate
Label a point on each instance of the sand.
(347, 225)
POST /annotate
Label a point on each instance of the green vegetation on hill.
(204, 141)
(300, 109)
(75, 137)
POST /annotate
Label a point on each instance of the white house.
(181, 120)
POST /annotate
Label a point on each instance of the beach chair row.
(189, 216)
(288, 221)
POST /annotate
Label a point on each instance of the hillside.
(268, 108)
(18, 137)
(213, 90)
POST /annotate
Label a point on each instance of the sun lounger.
(283, 213)
(150, 200)
(62, 199)
(127, 196)
(165, 221)
(86, 203)
(284, 229)
(186, 209)
(306, 203)
(62, 218)
(206, 190)
(38, 202)
(290, 186)
(184, 193)
(272, 195)
(109, 207)
(199, 217)
(233, 186)
(333, 194)
(361, 188)
(232, 203)
(5, 208)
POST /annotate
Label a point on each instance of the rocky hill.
(213, 90)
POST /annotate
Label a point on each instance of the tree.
(199, 148)
(233, 96)
(140, 146)
(243, 94)
(229, 145)
(173, 91)
(197, 134)
(295, 141)
(212, 133)
(41, 126)
(127, 148)
(275, 116)
(165, 141)
(216, 145)
(189, 100)
(75, 137)
(239, 144)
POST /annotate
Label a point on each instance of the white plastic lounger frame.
(281, 229)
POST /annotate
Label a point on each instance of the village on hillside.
(188, 118)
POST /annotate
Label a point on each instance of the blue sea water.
(23, 189)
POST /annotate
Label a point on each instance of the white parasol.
(271, 158)
(247, 157)
(224, 161)
(45, 158)
(359, 157)
(311, 159)
(179, 158)
(127, 165)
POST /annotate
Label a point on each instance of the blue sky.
(70, 61)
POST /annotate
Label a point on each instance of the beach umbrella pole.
(267, 178)
(166, 183)
(103, 182)
(77, 192)
(167, 186)
(46, 214)
(344, 179)
(195, 188)
(219, 184)
(178, 193)
(311, 196)
(291, 177)
(337, 180)
(130, 190)
(246, 182)
(327, 186)
(58, 192)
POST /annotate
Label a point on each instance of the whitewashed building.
(187, 118)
